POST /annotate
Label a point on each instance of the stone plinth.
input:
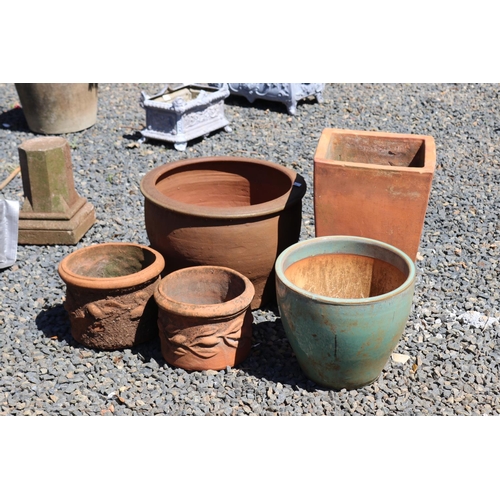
(52, 212)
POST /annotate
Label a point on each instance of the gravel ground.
(451, 337)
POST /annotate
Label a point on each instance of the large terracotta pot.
(204, 317)
(58, 108)
(344, 303)
(109, 294)
(223, 211)
(373, 184)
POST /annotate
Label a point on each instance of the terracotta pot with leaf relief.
(204, 317)
(109, 294)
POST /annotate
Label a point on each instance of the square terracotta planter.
(373, 184)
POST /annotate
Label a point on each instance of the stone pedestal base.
(40, 231)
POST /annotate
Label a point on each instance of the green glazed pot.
(344, 303)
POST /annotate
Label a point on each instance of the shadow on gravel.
(15, 119)
(169, 145)
(54, 323)
(273, 359)
(263, 104)
(150, 350)
(132, 137)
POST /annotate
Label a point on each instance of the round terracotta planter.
(58, 108)
(109, 294)
(224, 211)
(204, 317)
(344, 303)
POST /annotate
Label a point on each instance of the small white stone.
(400, 358)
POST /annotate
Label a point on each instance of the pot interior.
(186, 93)
(345, 276)
(224, 184)
(202, 286)
(396, 152)
(109, 261)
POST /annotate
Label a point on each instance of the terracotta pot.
(204, 317)
(222, 211)
(373, 184)
(109, 294)
(58, 108)
(344, 303)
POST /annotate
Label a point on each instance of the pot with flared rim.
(344, 303)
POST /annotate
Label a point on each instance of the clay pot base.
(207, 345)
(109, 321)
(345, 276)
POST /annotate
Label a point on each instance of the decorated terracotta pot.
(109, 294)
(344, 303)
(204, 317)
(224, 211)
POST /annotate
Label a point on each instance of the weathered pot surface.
(204, 317)
(109, 294)
(224, 211)
(374, 185)
(58, 108)
(344, 302)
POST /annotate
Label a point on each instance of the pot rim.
(280, 272)
(120, 282)
(232, 307)
(291, 197)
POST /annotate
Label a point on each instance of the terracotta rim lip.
(430, 149)
(280, 271)
(230, 308)
(149, 273)
(289, 198)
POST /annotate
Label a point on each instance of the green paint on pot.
(344, 304)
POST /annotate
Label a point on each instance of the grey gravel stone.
(454, 357)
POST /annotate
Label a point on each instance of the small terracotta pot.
(223, 211)
(204, 317)
(109, 294)
(344, 303)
